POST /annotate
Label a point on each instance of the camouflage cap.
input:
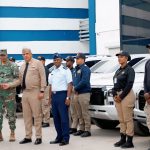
(3, 52)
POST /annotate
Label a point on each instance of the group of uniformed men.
(62, 87)
(65, 86)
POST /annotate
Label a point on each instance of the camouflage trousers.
(7, 99)
(147, 112)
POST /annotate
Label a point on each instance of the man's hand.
(5, 86)
(148, 101)
(49, 101)
(147, 97)
(67, 102)
(73, 90)
(41, 96)
(117, 99)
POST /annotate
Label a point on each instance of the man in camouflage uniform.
(9, 77)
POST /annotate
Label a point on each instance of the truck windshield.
(140, 67)
(107, 66)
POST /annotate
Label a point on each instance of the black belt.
(58, 92)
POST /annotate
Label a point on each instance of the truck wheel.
(140, 129)
(105, 124)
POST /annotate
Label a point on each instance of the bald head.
(27, 54)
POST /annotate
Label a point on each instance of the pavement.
(100, 139)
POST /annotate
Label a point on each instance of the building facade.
(45, 26)
(135, 25)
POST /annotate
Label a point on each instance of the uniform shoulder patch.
(51, 69)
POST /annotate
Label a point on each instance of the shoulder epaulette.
(51, 69)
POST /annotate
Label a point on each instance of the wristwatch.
(42, 91)
(67, 97)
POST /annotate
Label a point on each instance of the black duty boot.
(122, 140)
(129, 143)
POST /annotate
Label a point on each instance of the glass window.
(91, 63)
(135, 25)
(107, 66)
(140, 67)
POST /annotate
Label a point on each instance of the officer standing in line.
(124, 99)
(72, 111)
(45, 101)
(9, 77)
(147, 90)
(82, 89)
(33, 79)
(60, 80)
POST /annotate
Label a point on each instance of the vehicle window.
(93, 68)
(134, 61)
(50, 65)
(108, 66)
(140, 67)
(91, 63)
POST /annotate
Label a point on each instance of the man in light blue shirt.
(60, 81)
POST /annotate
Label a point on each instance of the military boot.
(121, 141)
(1, 136)
(129, 143)
(12, 136)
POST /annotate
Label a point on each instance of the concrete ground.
(100, 139)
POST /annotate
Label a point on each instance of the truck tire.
(140, 129)
(105, 124)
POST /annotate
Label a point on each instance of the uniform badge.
(122, 72)
(79, 71)
(115, 80)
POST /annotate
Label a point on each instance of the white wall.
(107, 26)
(46, 3)
(43, 24)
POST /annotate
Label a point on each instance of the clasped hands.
(117, 99)
(4, 86)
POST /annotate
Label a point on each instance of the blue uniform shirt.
(59, 78)
(81, 79)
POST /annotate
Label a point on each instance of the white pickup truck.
(102, 109)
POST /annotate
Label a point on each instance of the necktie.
(24, 77)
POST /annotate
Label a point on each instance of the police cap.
(80, 55)
(12, 59)
(57, 55)
(3, 52)
(69, 58)
(41, 58)
(123, 53)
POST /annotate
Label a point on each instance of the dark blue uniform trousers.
(60, 115)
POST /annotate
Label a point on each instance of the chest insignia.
(122, 72)
(79, 71)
